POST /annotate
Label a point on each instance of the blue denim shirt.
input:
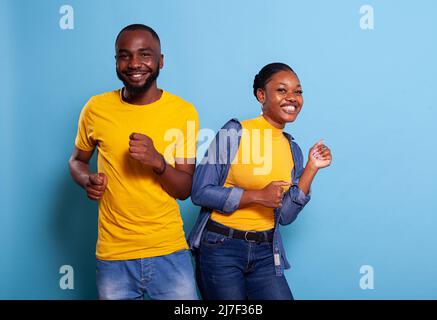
(209, 193)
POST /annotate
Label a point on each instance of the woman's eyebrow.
(285, 84)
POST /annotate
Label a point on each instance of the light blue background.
(370, 94)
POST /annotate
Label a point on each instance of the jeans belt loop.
(266, 237)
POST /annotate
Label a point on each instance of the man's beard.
(139, 89)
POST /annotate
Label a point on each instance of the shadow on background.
(75, 235)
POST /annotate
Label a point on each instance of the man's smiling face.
(138, 60)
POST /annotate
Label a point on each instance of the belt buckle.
(245, 236)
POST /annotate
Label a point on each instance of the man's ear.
(260, 95)
(161, 61)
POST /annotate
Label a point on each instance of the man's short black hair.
(138, 26)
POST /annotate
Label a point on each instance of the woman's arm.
(319, 157)
(298, 195)
(270, 196)
(208, 190)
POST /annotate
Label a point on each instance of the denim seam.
(202, 276)
(249, 253)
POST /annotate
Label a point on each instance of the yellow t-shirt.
(263, 156)
(137, 217)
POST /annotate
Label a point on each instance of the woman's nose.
(291, 97)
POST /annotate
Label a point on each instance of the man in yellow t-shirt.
(146, 142)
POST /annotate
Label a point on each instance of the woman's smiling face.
(281, 98)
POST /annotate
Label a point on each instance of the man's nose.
(134, 62)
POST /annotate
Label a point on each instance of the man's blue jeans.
(235, 269)
(169, 277)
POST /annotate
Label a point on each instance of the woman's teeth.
(289, 109)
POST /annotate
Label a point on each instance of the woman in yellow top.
(251, 180)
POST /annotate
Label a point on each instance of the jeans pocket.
(213, 240)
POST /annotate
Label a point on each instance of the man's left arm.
(176, 180)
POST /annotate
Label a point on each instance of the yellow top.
(137, 217)
(264, 155)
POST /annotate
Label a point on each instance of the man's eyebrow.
(138, 50)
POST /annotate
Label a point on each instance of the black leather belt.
(250, 236)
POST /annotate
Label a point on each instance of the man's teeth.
(289, 109)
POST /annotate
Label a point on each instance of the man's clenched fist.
(96, 185)
(141, 148)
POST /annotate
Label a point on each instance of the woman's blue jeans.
(236, 269)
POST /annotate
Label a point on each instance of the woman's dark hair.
(266, 73)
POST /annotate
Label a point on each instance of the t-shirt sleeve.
(186, 144)
(85, 130)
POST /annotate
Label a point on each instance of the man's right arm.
(93, 183)
(79, 166)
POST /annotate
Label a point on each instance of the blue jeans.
(235, 269)
(169, 277)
